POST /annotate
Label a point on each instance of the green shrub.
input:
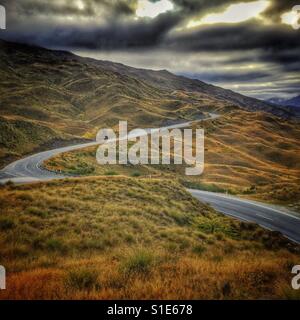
(199, 249)
(6, 224)
(82, 169)
(139, 262)
(206, 187)
(54, 245)
(9, 183)
(136, 174)
(129, 238)
(179, 217)
(36, 212)
(218, 226)
(82, 279)
(25, 197)
(111, 173)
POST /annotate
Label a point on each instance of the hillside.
(70, 97)
(125, 238)
(259, 159)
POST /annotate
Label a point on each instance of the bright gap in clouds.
(150, 9)
(80, 5)
(235, 13)
(292, 17)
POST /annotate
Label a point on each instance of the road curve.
(275, 219)
(30, 169)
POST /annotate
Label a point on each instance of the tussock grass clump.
(83, 278)
(136, 174)
(35, 212)
(219, 226)
(199, 249)
(139, 262)
(24, 196)
(6, 223)
(111, 173)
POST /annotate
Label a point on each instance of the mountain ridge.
(70, 97)
(163, 79)
(292, 102)
(195, 85)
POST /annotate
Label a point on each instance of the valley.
(135, 232)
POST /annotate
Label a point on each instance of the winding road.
(269, 217)
(30, 169)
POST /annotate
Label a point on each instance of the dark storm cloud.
(288, 58)
(114, 33)
(272, 43)
(108, 30)
(21, 11)
(23, 8)
(101, 25)
(32, 8)
(248, 35)
(118, 35)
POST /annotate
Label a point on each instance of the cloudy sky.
(250, 46)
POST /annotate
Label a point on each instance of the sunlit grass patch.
(139, 262)
(125, 238)
(83, 278)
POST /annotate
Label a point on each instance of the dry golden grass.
(251, 154)
(254, 154)
(184, 278)
(129, 238)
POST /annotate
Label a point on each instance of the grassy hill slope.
(136, 237)
(75, 96)
(125, 238)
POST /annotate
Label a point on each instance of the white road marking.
(264, 217)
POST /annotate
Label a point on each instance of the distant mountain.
(294, 102)
(170, 82)
(291, 105)
(47, 84)
(277, 101)
(57, 95)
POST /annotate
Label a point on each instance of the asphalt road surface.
(269, 217)
(30, 169)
